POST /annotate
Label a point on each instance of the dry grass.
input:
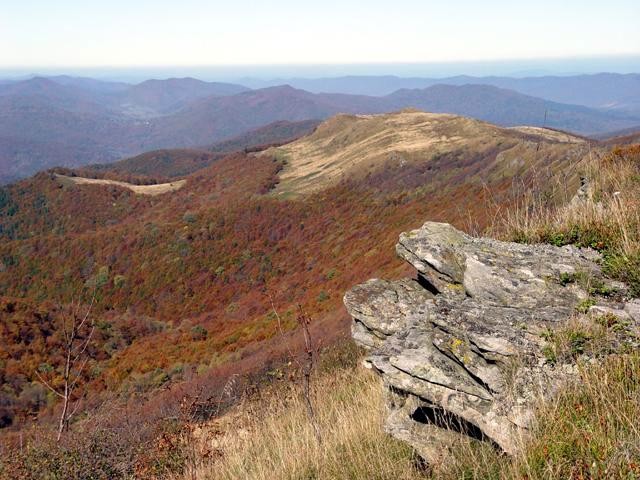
(607, 218)
(589, 431)
(273, 438)
(549, 134)
(351, 146)
(152, 190)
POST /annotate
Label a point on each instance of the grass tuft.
(606, 218)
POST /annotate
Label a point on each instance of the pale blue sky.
(43, 33)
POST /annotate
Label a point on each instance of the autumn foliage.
(183, 280)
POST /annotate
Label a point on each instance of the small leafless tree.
(306, 366)
(304, 320)
(77, 329)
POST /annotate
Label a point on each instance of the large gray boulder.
(460, 347)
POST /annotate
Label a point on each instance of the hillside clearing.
(152, 190)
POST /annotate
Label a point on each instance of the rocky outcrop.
(460, 348)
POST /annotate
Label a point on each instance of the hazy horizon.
(622, 64)
(149, 33)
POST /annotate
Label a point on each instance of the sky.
(143, 33)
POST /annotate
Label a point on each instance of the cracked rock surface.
(460, 347)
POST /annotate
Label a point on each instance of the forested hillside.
(192, 273)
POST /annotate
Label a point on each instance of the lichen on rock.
(461, 347)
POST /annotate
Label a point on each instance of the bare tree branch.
(281, 330)
(46, 384)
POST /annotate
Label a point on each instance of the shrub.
(585, 305)
(119, 281)
(98, 455)
(189, 217)
(198, 332)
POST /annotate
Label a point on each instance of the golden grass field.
(151, 190)
(354, 145)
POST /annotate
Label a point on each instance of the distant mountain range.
(67, 121)
(603, 90)
(148, 99)
(509, 108)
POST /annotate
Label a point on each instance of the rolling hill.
(357, 146)
(159, 97)
(158, 164)
(154, 97)
(36, 135)
(90, 84)
(55, 95)
(607, 91)
(622, 137)
(278, 132)
(217, 118)
(171, 163)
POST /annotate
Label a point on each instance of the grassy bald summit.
(354, 146)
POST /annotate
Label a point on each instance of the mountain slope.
(36, 134)
(603, 90)
(90, 84)
(171, 163)
(221, 117)
(168, 96)
(158, 164)
(217, 118)
(55, 95)
(186, 279)
(350, 146)
(282, 131)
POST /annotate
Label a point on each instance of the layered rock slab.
(459, 348)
